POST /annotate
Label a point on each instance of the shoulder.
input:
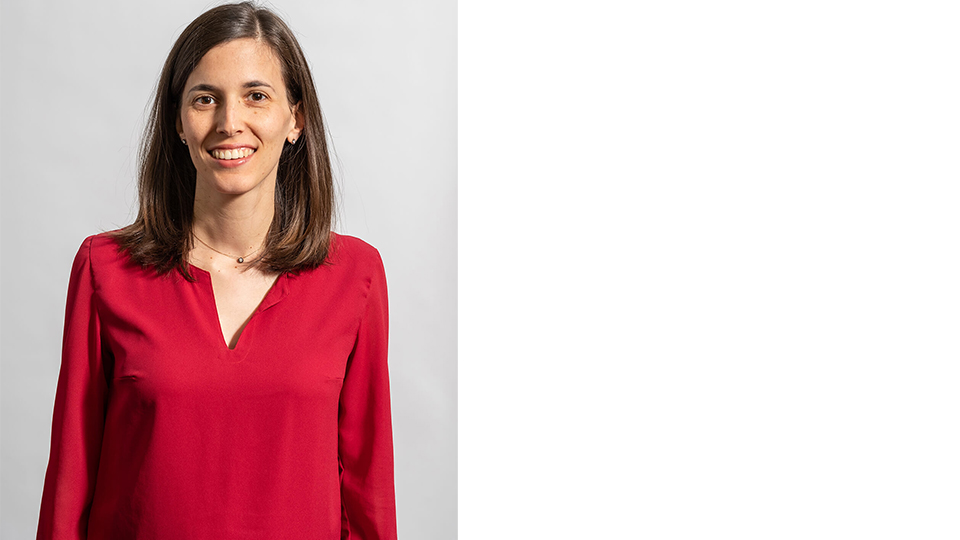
(99, 247)
(361, 269)
(352, 265)
(352, 251)
(103, 255)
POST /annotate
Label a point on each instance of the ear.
(294, 133)
(179, 126)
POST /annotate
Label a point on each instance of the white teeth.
(236, 153)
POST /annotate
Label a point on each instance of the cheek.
(191, 124)
(276, 123)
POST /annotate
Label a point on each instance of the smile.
(236, 153)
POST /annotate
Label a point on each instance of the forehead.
(237, 62)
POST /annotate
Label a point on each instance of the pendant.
(239, 259)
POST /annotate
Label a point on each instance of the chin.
(236, 186)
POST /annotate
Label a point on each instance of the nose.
(229, 118)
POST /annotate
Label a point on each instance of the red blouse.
(162, 432)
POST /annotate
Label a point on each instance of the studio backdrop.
(76, 83)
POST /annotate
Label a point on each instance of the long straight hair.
(299, 236)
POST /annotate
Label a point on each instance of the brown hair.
(299, 237)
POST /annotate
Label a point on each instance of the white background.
(709, 270)
(77, 78)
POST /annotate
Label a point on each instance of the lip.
(231, 163)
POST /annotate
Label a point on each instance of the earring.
(184, 141)
(293, 141)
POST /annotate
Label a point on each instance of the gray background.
(76, 82)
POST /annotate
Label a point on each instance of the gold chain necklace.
(239, 259)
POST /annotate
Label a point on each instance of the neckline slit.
(273, 295)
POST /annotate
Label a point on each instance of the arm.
(78, 413)
(365, 431)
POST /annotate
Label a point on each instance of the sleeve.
(368, 505)
(78, 413)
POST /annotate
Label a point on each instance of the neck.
(234, 224)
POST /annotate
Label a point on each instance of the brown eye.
(204, 100)
(258, 96)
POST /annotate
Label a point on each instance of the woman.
(224, 365)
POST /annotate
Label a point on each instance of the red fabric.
(162, 432)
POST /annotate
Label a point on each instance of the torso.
(216, 443)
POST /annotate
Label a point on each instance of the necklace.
(239, 259)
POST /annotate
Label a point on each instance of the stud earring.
(184, 141)
(294, 141)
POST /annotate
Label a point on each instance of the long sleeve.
(365, 431)
(78, 413)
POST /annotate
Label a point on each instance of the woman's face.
(235, 117)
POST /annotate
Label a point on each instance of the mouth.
(231, 154)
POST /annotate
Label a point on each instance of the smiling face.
(235, 117)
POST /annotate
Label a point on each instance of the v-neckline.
(274, 294)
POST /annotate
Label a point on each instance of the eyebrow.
(210, 88)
